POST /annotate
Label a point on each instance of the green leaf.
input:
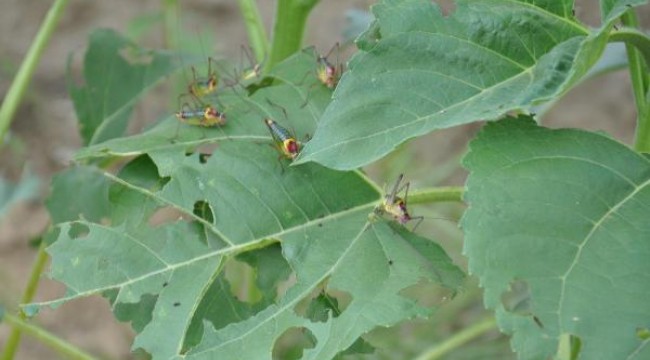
(323, 231)
(78, 192)
(187, 209)
(426, 71)
(270, 269)
(244, 115)
(359, 266)
(559, 220)
(116, 73)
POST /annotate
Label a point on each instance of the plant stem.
(171, 29)
(255, 27)
(634, 37)
(28, 295)
(170, 24)
(436, 194)
(63, 347)
(290, 19)
(459, 339)
(639, 77)
(19, 85)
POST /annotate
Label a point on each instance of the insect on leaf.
(179, 219)
(419, 71)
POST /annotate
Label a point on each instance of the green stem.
(437, 194)
(170, 24)
(171, 29)
(19, 85)
(28, 295)
(290, 19)
(634, 37)
(63, 347)
(639, 77)
(34, 277)
(459, 339)
(255, 27)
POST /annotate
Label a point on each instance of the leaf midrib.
(595, 226)
(297, 298)
(224, 251)
(415, 121)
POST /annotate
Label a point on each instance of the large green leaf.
(78, 183)
(418, 71)
(180, 215)
(116, 73)
(559, 218)
(319, 215)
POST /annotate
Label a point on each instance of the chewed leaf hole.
(139, 314)
(135, 56)
(165, 215)
(273, 275)
(204, 152)
(569, 346)
(292, 343)
(203, 158)
(163, 181)
(517, 298)
(427, 293)
(239, 275)
(203, 209)
(78, 231)
(323, 305)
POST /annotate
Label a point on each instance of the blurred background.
(44, 136)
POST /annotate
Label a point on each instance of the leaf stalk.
(32, 285)
(459, 339)
(290, 19)
(63, 347)
(436, 194)
(640, 79)
(255, 27)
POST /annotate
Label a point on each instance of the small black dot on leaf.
(165, 284)
(390, 262)
(177, 304)
(320, 224)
